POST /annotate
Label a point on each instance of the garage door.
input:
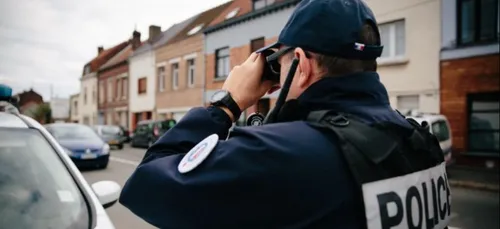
(178, 115)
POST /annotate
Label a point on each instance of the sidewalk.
(474, 178)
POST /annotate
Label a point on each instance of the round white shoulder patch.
(198, 153)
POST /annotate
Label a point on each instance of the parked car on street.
(440, 127)
(126, 134)
(113, 135)
(148, 131)
(39, 185)
(81, 143)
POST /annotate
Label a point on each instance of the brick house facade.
(465, 84)
(114, 86)
(87, 100)
(470, 85)
(180, 68)
(239, 30)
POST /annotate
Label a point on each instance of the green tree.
(42, 113)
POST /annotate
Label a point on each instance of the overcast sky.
(47, 42)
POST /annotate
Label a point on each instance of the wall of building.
(115, 111)
(88, 111)
(459, 78)
(142, 65)
(180, 100)
(75, 106)
(449, 47)
(240, 34)
(417, 71)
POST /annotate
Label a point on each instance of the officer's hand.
(244, 82)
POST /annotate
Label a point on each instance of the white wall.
(89, 110)
(140, 66)
(240, 34)
(417, 72)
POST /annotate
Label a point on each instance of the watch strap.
(228, 102)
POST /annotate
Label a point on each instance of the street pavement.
(471, 209)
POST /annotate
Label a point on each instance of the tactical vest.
(400, 173)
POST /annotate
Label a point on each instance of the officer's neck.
(340, 93)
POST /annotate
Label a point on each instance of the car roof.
(428, 118)
(11, 120)
(147, 121)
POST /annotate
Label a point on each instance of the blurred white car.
(440, 127)
(40, 187)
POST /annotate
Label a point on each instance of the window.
(222, 63)
(141, 86)
(110, 90)
(393, 39)
(86, 70)
(259, 4)
(124, 88)
(101, 93)
(195, 29)
(94, 99)
(408, 102)
(441, 131)
(161, 79)
(118, 86)
(477, 21)
(190, 72)
(75, 107)
(232, 13)
(175, 76)
(84, 95)
(256, 44)
(483, 111)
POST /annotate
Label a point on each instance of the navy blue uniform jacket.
(280, 175)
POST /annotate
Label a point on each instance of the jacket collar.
(343, 92)
(354, 93)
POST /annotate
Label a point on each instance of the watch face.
(218, 95)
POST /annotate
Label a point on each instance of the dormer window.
(86, 70)
(259, 4)
(232, 13)
(195, 29)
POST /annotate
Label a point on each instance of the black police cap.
(330, 27)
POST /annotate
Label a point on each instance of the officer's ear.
(305, 68)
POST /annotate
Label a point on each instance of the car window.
(141, 129)
(167, 124)
(110, 130)
(36, 190)
(71, 132)
(440, 130)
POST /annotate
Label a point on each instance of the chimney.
(136, 40)
(99, 50)
(154, 31)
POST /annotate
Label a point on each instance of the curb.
(475, 185)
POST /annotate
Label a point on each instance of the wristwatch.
(223, 98)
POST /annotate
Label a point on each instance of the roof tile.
(245, 7)
(202, 19)
(104, 56)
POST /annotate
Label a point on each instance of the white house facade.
(409, 67)
(142, 66)
(87, 111)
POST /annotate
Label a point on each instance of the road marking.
(453, 228)
(124, 161)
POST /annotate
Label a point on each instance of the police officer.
(305, 168)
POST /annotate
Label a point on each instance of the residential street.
(471, 209)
